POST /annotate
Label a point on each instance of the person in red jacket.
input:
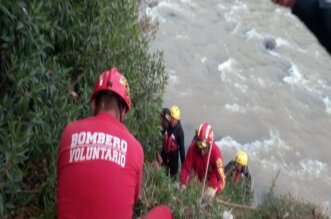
(202, 147)
(100, 162)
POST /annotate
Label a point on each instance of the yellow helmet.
(175, 112)
(242, 158)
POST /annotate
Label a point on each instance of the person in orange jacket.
(204, 155)
(100, 163)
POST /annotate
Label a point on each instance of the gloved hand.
(286, 3)
(159, 158)
(156, 165)
(157, 162)
(180, 186)
(209, 194)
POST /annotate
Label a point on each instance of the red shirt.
(195, 161)
(99, 169)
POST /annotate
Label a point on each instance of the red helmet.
(205, 135)
(113, 80)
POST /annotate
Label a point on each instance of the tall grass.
(160, 189)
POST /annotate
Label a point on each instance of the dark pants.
(170, 161)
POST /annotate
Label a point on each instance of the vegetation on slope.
(50, 55)
(160, 189)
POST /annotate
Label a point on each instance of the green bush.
(51, 53)
(237, 192)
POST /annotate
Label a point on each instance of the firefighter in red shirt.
(204, 154)
(100, 162)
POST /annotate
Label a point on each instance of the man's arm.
(139, 175)
(220, 171)
(219, 165)
(64, 142)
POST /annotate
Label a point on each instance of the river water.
(273, 103)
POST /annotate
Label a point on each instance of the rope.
(204, 179)
(233, 205)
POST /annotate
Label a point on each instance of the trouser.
(170, 161)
